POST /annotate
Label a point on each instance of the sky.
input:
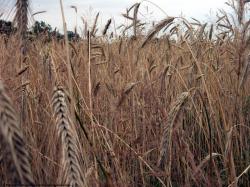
(87, 9)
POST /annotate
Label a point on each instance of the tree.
(6, 27)
(41, 27)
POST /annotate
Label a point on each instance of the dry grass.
(174, 112)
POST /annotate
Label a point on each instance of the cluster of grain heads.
(136, 23)
(13, 142)
(71, 173)
(117, 88)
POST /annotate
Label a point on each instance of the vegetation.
(6, 27)
(169, 108)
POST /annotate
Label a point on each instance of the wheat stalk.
(14, 141)
(68, 137)
(69, 69)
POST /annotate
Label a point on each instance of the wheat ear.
(156, 29)
(168, 129)
(104, 32)
(67, 134)
(21, 16)
(14, 142)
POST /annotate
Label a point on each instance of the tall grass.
(171, 110)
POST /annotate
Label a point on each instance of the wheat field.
(167, 108)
